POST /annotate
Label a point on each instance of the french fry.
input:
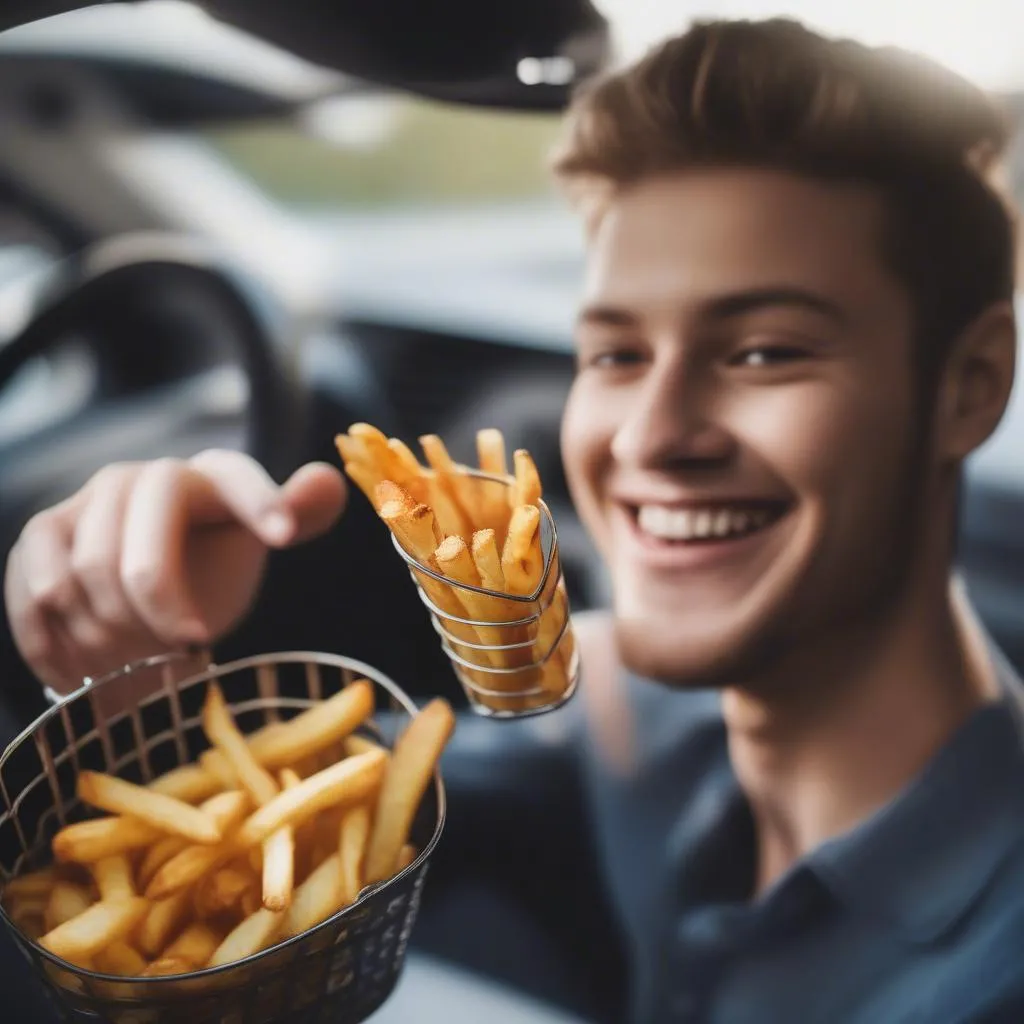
(223, 733)
(319, 896)
(28, 918)
(167, 967)
(352, 839)
(363, 477)
(409, 773)
(194, 946)
(88, 841)
(319, 727)
(454, 518)
(164, 813)
(416, 479)
(227, 809)
(256, 932)
(406, 856)
(113, 877)
(490, 450)
(279, 859)
(527, 489)
(522, 560)
(487, 560)
(455, 561)
(103, 923)
(186, 868)
(163, 919)
(31, 884)
(215, 764)
(221, 890)
(360, 745)
(493, 506)
(121, 959)
(66, 902)
(190, 783)
(351, 780)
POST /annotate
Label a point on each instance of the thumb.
(315, 495)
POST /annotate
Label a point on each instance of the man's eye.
(769, 355)
(612, 358)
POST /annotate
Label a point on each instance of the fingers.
(242, 487)
(316, 495)
(151, 568)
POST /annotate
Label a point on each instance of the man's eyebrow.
(754, 299)
(607, 316)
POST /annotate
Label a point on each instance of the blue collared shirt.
(916, 915)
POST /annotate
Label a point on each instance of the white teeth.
(689, 524)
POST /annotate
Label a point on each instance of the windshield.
(388, 150)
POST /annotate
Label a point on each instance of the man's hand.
(151, 556)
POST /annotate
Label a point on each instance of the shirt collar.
(925, 858)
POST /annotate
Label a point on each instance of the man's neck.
(819, 759)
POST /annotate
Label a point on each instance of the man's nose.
(673, 422)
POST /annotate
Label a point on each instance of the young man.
(797, 323)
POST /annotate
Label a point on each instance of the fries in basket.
(200, 869)
(500, 603)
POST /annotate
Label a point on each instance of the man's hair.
(774, 94)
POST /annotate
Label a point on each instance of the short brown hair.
(775, 94)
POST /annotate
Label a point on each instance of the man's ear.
(975, 385)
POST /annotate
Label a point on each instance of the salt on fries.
(480, 534)
(207, 865)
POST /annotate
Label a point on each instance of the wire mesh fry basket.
(516, 656)
(338, 972)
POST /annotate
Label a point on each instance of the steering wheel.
(178, 351)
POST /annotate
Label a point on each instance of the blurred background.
(208, 239)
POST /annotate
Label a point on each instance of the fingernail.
(276, 527)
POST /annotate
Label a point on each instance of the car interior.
(155, 301)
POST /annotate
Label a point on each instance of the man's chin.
(705, 663)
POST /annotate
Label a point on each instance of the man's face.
(742, 439)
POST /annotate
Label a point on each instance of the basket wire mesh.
(522, 660)
(339, 972)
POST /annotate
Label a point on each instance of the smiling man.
(805, 767)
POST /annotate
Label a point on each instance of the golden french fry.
(443, 490)
(251, 902)
(31, 884)
(194, 946)
(256, 932)
(319, 727)
(522, 560)
(89, 841)
(221, 890)
(227, 809)
(187, 867)
(319, 896)
(527, 489)
(487, 560)
(158, 855)
(103, 923)
(406, 856)
(351, 780)
(215, 764)
(279, 868)
(353, 837)
(28, 919)
(164, 813)
(360, 745)
(223, 733)
(408, 472)
(164, 917)
(490, 450)
(121, 959)
(409, 773)
(113, 877)
(66, 902)
(167, 967)
(363, 477)
(190, 783)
